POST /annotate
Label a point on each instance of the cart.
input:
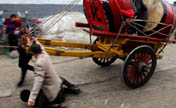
(138, 50)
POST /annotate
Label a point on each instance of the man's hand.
(31, 102)
(34, 39)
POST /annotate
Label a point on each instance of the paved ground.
(101, 87)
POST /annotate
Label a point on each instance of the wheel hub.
(142, 67)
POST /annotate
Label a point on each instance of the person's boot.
(20, 83)
(23, 74)
(72, 90)
(62, 107)
(75, 90)
(56, 106)
(66, 83)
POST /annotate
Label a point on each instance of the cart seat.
(155, 13)
(151, 10)
(128, 13)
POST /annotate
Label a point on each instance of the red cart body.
(108, 15)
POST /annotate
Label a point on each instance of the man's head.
(13, 17)
(25, 29)
(35, 49)
(24, 95)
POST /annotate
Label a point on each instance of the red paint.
(170, 17)
(123, 5)
(95, 14)
(82, 25)
(96, 17)
(118, 8)
(110, 34)
(116, 14)
(129, 13)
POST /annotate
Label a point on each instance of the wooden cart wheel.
(103, 61)
(139, 66)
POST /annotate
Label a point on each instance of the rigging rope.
(61, 15)
(58, 16)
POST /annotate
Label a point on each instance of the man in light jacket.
(48, 88)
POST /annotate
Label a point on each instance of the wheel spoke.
(133, 67)
(141, 77)
(145, 74)
(149, 68)
(101, 59)
(138, 79)
(147, 58)
(149, 63)
(146, 55)
(108, 59)
(143, 54)
(136, 58)
(131, 73)
(141, 57)
(104, 60)
(134, 77)
(133, 62)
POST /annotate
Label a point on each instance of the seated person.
(140, 13)
(48, 89)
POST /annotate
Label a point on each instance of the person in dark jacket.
(13, 24)
(141, 12)
(24, 58)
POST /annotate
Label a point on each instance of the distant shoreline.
(36, 10)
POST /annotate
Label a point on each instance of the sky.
(44, 1)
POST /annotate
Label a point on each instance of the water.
(36, 10)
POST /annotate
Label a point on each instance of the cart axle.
(142, 67)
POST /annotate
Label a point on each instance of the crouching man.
(48, 89)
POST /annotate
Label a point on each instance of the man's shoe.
(63, 107)
(56, 106)
(20, 83)
(74, 90)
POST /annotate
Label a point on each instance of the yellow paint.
(66, 44)
(102, 49)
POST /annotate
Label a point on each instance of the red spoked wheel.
(139, 66)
